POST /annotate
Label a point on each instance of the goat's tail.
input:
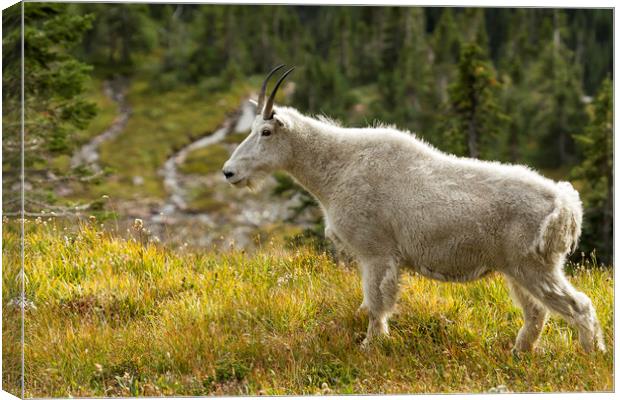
(560, 230)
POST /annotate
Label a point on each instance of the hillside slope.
(123, 316)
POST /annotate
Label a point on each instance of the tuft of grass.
(121, 316)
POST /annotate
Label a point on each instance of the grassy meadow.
(116, 315)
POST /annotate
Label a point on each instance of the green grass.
(206, 160)
(107, 110)
(119, 316)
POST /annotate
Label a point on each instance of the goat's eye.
(265, 132)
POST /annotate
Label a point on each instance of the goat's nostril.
(228, 174)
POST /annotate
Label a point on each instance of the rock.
(499, 389)
(244, 123)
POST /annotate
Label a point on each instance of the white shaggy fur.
(392, 201)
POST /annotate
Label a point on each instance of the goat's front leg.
(340, 252)
(380, 286)
(339, 247)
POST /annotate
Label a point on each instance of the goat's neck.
(318, 159)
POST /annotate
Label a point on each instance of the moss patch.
(206, 160)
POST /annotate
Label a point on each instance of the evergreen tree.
(590, 36)
(404, 90)
(176, 37)
(445, 49)
(120, 34)
(595, 174)
(515, 57)
(555, 108)
(475, 120)
(323, 89)
(54, 79)
(340, 34)
(472, 25)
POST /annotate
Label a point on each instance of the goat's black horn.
(263, 89)
(267, 111)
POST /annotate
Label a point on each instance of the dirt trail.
(244, 214)
(240, 121)
(88, 154)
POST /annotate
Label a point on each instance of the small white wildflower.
(138, 224)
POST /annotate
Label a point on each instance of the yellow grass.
(121, 316)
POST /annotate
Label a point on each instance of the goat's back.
(450, 213)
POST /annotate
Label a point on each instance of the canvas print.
(224, 200)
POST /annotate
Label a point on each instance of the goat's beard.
(255, 182)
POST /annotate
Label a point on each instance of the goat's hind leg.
(534, 318)
(380, 285)
(550, 287)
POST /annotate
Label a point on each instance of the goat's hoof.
(520, 351)
(593, 347)
(366, 344)
(600, 345)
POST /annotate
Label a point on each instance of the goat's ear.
(254, 104)
(280, 119)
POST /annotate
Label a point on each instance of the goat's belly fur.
(450, 262)
(447, 275)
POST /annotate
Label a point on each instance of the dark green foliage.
(555, 106)
(405, 93)
(121, 34)
(474, 121)
(54, 79)
(320, 87)
(596, 175)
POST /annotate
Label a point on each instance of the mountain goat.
(391, 201)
